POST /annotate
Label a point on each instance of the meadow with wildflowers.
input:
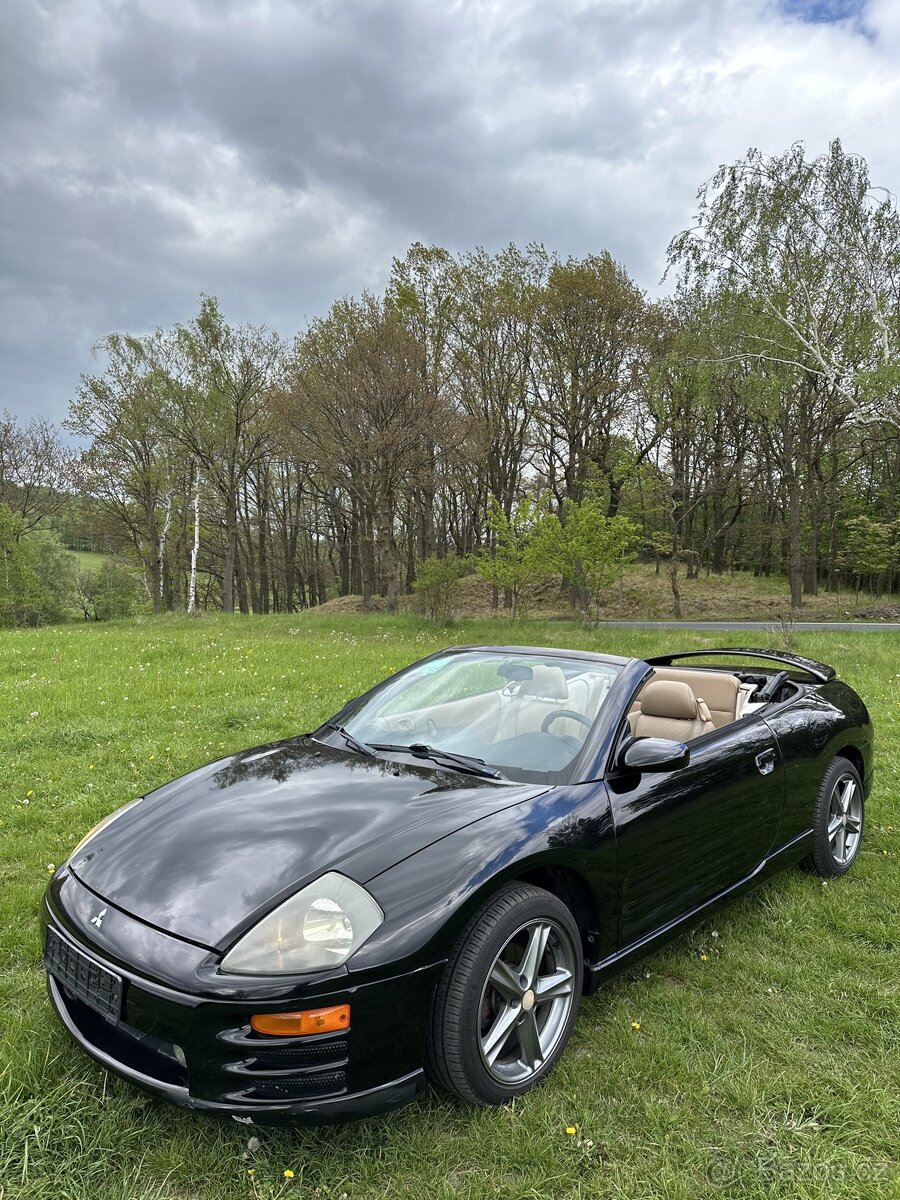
(756, 1056)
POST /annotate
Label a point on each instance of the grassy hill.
(647, 596)
(765, 1064)
(644, 595)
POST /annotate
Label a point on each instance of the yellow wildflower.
(288, 1173)
(635, 1024)
(704, 958)
(571, 1130)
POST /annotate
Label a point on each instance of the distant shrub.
(437, 585)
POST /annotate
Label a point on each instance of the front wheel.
(838, 819)
(508, 998)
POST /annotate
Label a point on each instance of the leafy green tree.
(110, 591)
(54, 568)
(126, 468)
(35, 470)
(36, 574)
(221, 379)
(355, 406)
(815, 250)
(591, 351)
(496, 298)
(589, 549)
(517, 560)
(421, 292)
(869, 548)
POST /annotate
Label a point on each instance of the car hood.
(205, 856)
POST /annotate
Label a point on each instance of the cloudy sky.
(278, 153)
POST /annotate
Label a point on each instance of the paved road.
(765, 626)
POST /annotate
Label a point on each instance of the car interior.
(531, 714)
(534, 714)
(683, 703)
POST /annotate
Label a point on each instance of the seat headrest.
(668, 698)
(546, 682)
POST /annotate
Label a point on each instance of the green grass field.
(88, 560)
(758, 1055)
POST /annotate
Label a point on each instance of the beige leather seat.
(543, 693)
(717, 688)
(547, 682)
(669, 709)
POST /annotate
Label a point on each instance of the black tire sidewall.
(822, 860)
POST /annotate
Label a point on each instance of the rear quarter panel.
(811, 730)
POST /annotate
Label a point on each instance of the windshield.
(525, 715)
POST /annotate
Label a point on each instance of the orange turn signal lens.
(299, 1024)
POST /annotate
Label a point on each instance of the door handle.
(765, 762)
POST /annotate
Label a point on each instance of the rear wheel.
(507, 1001)
(838, 820)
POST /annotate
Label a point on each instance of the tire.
(838, 821)
(492, 1037)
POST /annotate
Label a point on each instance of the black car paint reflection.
(181, 876)
(220, 845)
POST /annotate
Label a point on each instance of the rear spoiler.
(819, 671)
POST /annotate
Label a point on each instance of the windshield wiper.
(465, 762)
(352, 742)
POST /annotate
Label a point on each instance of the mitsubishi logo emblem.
(98, 920)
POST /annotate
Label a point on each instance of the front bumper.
(200, 1052)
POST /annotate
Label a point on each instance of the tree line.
(523, 410)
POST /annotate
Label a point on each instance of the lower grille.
(323, 1083)
(320, 1053)
(285, 1068)
(100, 989)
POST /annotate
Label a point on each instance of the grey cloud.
(279, 154)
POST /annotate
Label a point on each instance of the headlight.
(318, 928)
(102, 825)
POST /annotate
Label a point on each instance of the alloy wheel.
(845, 819)
(526, 1001)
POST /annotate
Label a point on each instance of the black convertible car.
(426, 885)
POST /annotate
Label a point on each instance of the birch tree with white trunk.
(195, 548)
(814, 249)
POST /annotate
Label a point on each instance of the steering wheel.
(564, 712)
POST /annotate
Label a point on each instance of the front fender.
(429, 897)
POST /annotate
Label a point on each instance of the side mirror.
(654, 754)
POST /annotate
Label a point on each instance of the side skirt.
(596, 974)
